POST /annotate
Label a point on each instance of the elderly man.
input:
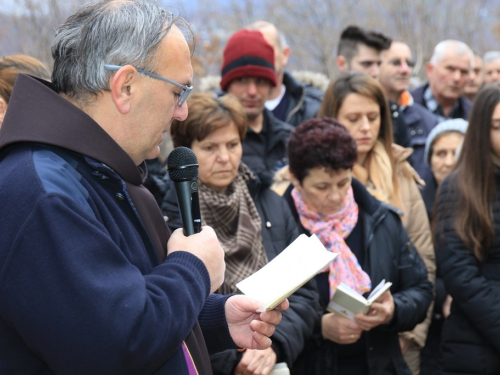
(395, 73)
(248, 73)
(92, 282)
(290, 101)
(491, 61)
(447, 71)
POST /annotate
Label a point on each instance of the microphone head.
(182, 165)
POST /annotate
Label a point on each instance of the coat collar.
(37, 113)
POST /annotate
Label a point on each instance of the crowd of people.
(97, 276)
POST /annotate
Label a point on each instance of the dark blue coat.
(464, 104)
(82, 288)
(420, 122)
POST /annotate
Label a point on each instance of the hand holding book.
(381, 311)
(346, 302)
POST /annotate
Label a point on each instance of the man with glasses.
(91, 280)
(395, 74)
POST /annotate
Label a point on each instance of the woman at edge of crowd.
(253, 224)
(441, 152)
(327, 201)
(467, 236)
(359, 103)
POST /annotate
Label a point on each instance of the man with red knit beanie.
(248, 73)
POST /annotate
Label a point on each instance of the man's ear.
(124, 85)
(429, 68)
(342, 64)
(3, 108)
(286, 55)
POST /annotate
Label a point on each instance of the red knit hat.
(247, 54)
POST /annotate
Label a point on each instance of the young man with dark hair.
(359, 50)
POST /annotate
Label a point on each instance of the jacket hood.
(37, 113)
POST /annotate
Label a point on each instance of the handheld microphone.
(183, 171)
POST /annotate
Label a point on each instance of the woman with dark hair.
(373, 245)
(359, 103)
(253, 224)
(467, 236)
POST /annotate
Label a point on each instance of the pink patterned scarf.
(332, 230)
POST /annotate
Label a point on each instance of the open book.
(347, 302)
(287, 272)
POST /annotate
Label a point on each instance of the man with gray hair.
(91, 280)
(491, 61)
(290, 101)
(447, 71)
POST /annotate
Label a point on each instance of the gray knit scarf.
(236, 221)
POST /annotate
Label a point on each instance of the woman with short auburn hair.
(372, 244)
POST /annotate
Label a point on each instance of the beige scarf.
(376, 174)
(236, 221)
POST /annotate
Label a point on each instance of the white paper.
(287, 272)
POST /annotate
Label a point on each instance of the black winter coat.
(304, 101)
(389, 255)
(471, 334)
(265, 157)
(420, 122)
(278, 231)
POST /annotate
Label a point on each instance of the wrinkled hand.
(206, 247)
(338, 329)
(256, 362)
(249, 328)
(447, 306)
(381, 311)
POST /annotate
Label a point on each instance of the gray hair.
(491, 55)
(456, 46)
(259, 25)
(117, 32)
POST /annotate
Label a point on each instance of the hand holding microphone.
(201, 242)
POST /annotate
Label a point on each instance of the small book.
(287, 272)
(347, 302)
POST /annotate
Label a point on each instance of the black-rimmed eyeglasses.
(183, 95)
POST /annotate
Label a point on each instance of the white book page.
(348, 290)
(380, 289)
(287, 272)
